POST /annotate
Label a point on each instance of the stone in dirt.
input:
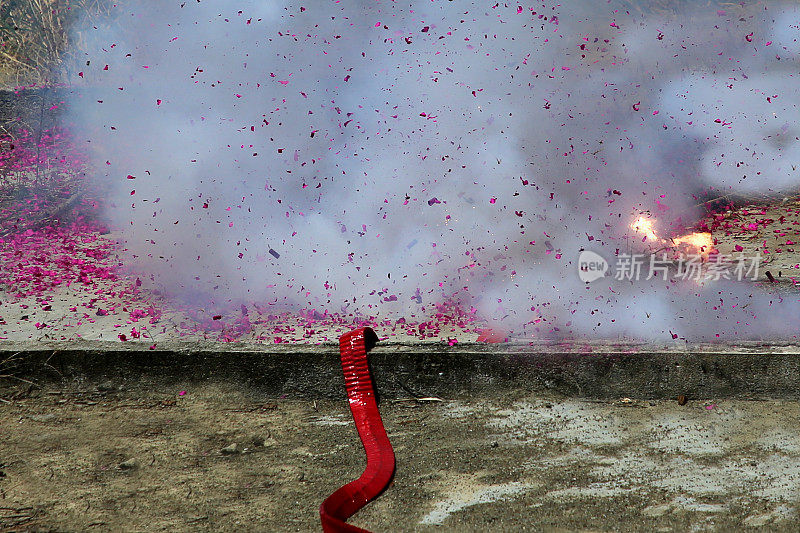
(231, 449)
(129, 464)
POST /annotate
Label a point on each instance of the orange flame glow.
(645, 227)
(701, 243)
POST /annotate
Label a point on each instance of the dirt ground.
(215, 456)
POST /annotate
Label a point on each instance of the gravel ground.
(145, 456)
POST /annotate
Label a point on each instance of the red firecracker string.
(343, 503)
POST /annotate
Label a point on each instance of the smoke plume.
(381, 157)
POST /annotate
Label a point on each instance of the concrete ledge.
(402, 370)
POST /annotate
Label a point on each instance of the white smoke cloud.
(379, 157)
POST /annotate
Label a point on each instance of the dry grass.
(7, 364)
(36, 37)
(12, 388)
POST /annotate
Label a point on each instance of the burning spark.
(645, 227)
(703, 242)
(699, 242)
